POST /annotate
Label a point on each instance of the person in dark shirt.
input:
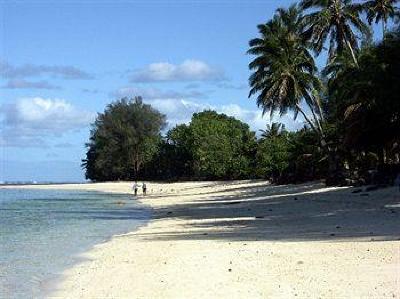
(135, 188)
(144, 188)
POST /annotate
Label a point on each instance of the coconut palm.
(333, 20)
(283, 70)
(274, 130)
(367, 96)
(380, 11)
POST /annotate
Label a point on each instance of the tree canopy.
(122, 140)
(222, 146)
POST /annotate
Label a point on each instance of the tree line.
(126, 143)
(351, 107)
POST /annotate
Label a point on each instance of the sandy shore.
(248, 240)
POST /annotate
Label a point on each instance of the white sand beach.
(247, 239)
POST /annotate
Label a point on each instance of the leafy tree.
(180, 138)
(334, 20)
(291, 157)
(163, 163)
(222, 146)
(122, 140)
(272, 157)
(212, 146)
(89, 164)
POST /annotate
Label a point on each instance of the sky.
(62, 62)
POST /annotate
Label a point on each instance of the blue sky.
(63, 62)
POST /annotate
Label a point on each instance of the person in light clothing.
(135, 188)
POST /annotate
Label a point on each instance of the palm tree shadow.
(305, 212)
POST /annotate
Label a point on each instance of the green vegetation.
(351, 108)
(380, 11)
(123, 139)
(355, 115)
(212, 146)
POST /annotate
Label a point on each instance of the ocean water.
(43, 231)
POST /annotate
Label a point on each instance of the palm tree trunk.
(307, 119)
(318, 104)
(383, 30)
(352, 52)
(317, 129)
(317, 121)
(335, 176)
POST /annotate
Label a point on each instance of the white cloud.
(189, 70)
(256, 120)
(64, 145)
(30, 70)
(180, 111)
(23, 84)
(90, 90)
(227, 85)
(155, 93)
(192, 86)
(28, 121)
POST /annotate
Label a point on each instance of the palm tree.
(274, 130)
(283, 71)
(380, 10)
(333, 20)
(366, 97)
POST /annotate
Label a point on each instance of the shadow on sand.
(286, 213)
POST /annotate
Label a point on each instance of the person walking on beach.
(144, 188)
(135, 188)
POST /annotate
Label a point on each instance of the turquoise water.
(43, 231)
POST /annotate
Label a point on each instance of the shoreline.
(51, 286)
(246, 239)
(27, 271)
